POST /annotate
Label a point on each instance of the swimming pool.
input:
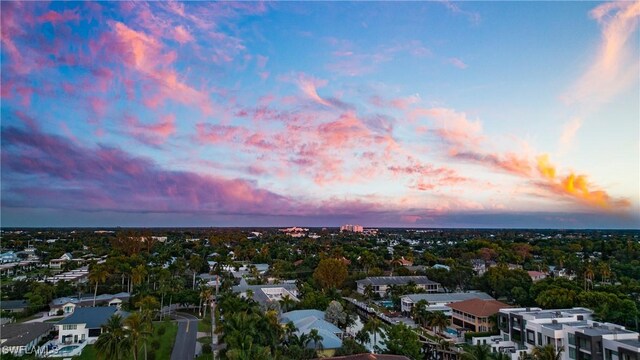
(452, 332)
(67, 349)
(386, 303)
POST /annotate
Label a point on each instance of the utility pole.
(213, 320)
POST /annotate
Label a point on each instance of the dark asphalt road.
(185, 346)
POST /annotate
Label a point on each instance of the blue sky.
(483, 114)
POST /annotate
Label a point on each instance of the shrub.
(162, 330)
(155, 344)
(206, 348)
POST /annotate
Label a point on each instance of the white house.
(380, 284)
(85, 324)
(59, 262)
(8, 257)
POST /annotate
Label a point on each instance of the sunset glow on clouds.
(432, 114)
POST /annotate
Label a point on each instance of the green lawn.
(88, 353)
(205, 340)
(163, 351)
(204, 325)
(205, 357)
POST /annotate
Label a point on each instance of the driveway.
(185, 346)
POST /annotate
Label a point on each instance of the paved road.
(185, 346)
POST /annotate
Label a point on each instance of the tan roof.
(478, 307)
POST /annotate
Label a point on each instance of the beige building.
(473, 314)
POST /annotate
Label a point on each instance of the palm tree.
(195, 264)
(547, 352)
(373, 326)
(605, 271)
(478, 352)
(301, 340)
(420, 313)
(113, 343)
(316, 338)
(588, 276)
(137, 331)
(439, 320)
(138, 274)
(500, 356)
(286, 303)
(97, 274)
(394, 264)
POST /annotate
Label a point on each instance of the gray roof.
(22, 334)
(13, 304)
(93, 317)
(88, 299)
(631, 342)
(244, 286)
(448, 297)
(396, 280)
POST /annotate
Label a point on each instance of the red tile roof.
(478, 307)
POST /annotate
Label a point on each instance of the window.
(69, 327)
(572, 339)
(540, 339)
(572, 353)
(609, 354)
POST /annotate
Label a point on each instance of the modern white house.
(380, 284)
(570, 330)
(85, 324)
(265, 294)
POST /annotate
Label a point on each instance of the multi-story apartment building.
(571, 331)
(475, 314)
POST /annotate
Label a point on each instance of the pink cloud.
(457, 63)
(309, 86)
(155, 133)
(56, 17)
(182, 35)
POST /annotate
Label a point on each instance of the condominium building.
(352, 228)
(570, 331)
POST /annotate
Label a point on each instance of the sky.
(384, 114)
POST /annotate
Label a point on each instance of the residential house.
(439, 301)
(537, 275)
(474, 314)
(67, 305)
(8, 257)
(380, 284)
(77, 276)
(22, 338)
(13, 306)
(59, 262)
(266, 294)
(85, 324)
(307, 320)
(441, 266)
